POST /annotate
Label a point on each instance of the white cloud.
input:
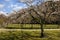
(1, 5)
(7, 0)
(11, 6)
(26, 0)
(15, 7)
(2, 12)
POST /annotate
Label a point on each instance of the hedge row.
(31, 26)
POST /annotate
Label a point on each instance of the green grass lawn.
(29, 35)
(31, 26)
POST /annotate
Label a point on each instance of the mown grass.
(31, 26)
(29, 35)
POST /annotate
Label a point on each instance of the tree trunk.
(42, 31)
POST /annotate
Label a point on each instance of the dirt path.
(25, 29)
